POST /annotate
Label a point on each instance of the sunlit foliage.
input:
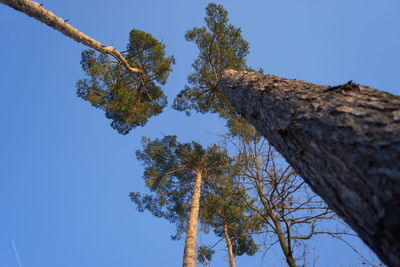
(221, 47)
(223, 209)
(128, 99)
(170, 174)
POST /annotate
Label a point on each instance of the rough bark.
(36, 11)
(344, 141)
(189, 256)
(229, 247)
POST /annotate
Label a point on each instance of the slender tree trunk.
(344, 141)
(229, 246)
(189, 256)
(36, 11)
(284, 240)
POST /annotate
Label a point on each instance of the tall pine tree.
(175, 173)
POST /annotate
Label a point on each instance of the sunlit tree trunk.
(35, 10)
(229, 246)
(344, 141)
(189, 256)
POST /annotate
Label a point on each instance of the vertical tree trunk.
(189, 256)
(344, 141)
(36, 11)
(229, 246)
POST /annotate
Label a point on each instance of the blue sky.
(65, 174)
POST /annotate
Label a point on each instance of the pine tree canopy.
(223, 206)
(170, 171)
(128, 99)
(221, 47)
(204, 254)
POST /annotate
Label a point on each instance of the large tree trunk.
(344, 141)
(189, 256)
(229, 246)
(35, 10)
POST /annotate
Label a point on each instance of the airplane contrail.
(16, 253)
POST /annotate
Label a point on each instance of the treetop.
(221, 47)
(128, 99)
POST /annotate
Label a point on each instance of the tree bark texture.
(229, 247)
(344, 141)
(189, 256)
(36, 11)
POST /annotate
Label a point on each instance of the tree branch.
(36, 11)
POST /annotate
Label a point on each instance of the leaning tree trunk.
(343, 140)
(229, 247)
(189, 256)
(35, 10)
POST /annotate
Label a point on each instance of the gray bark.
(36, 11)
(344, 141)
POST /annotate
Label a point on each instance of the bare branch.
(36, 11)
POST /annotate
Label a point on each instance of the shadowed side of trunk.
(344, 141)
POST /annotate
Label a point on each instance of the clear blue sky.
(65, 174)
